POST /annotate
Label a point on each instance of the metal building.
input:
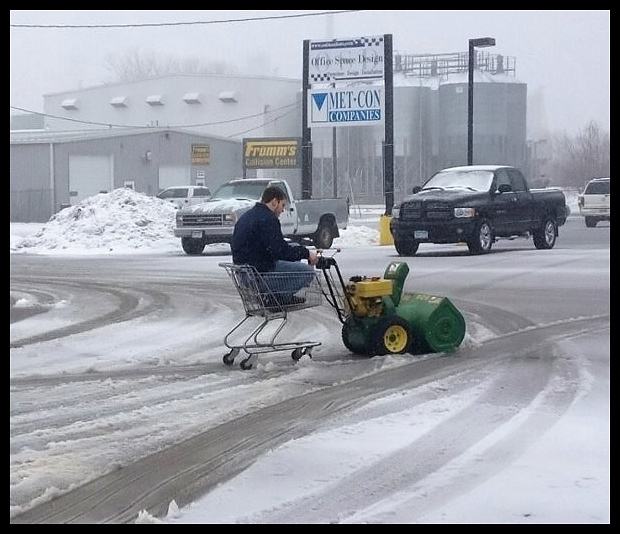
(215, 103)
(51, 170)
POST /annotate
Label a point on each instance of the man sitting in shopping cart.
(257, 240)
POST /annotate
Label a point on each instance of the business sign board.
(346, 59)
(272, 153)
(361, 105)
(201, 154)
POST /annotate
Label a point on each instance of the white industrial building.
(222, 105)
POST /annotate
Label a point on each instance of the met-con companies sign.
(272, 153)
(346, 59)
(361, 105)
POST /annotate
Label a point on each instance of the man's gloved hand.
(325, 263)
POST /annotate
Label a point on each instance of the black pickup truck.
(477, 204)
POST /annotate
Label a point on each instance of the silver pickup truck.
(213, 221)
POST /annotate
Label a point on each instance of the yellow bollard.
(385, 236)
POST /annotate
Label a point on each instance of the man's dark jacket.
(257, 240)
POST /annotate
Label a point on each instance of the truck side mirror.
(416, 189)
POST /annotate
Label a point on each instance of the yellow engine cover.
(373, 288)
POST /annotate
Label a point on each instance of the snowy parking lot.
(122, 410)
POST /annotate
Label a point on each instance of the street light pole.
(473, 43)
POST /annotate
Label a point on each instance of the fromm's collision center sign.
(272, 153)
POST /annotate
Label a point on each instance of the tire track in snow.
(195, 466)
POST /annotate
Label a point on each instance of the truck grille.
(429, 211)
(410, 213)
(203, 220)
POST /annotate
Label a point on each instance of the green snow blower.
(378, 318)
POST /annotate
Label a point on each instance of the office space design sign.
(346, 59)
(272, 153)
(360, 105)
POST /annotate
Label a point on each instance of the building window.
(228, 96)
(191, 98)
(154, 100)
(69, 103)
(119, 102)
(131, 184)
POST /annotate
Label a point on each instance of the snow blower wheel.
(391, 336)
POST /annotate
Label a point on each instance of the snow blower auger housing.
(378, 318)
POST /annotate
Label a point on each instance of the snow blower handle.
(325, 262)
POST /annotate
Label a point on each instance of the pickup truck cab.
(213, 221)
(594, 202)
(185, 195)
(477, 204)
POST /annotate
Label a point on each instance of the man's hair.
(272, 192)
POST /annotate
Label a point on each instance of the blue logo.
(319, 99)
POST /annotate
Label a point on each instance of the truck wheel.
(591, 222)
(482, 238)
(192, 246)
(544, 237)
(324, 236)
(406, 247)
(392, 335)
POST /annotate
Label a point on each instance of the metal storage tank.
(499, 121)
(412, 139)
(360, 151)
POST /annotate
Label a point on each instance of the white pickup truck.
(213, 221)
(594, 202)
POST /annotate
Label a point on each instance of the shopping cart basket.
(269, 296)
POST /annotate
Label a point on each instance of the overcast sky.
(563, 56)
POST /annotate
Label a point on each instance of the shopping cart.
(269, 296)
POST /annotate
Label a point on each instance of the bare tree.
(136, 65)
(577, 159)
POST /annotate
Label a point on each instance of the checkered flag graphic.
(371, 41)
(320, 77)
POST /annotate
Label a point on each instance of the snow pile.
(120, 221)
(19, 231)
(357, 236)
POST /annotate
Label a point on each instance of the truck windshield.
(476, 180)
(249, 190)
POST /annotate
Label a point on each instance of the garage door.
(89, 175)
(170, 175)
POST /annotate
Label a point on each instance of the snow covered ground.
(564, 473)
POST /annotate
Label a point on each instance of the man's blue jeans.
(301, 275)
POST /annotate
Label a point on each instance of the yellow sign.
(201, 154)
(272, 153)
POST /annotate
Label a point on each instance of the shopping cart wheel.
(297, 354)
(229, 357)
(246, 364)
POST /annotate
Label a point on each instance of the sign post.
(388, 184)
(306, 139)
